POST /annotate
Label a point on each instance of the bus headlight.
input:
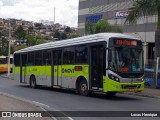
(113, 78)
(140, 80)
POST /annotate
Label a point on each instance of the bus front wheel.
(33, 82)
(83, 88)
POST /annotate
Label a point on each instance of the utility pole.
(9, 46)
(54, 14)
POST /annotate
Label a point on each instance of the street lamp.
(9, 46)
(144, 42)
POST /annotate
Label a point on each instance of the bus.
(104, 62)
(4, 63)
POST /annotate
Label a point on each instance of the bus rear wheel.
(83, 88)
(33, 82)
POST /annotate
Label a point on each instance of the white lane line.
(40, 104)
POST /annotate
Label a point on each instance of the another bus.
(4, 63)
(104, 62)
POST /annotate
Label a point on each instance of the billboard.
(122, 14)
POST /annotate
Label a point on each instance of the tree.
(19, 47)
(103, 26)
(116, 28)
(63, 36)
(142, 8)
(20, 33)
(3, 43)
(67, 30)
(90, 28)
(31, 41)
(39, 39)
(57, 35)
(74, 36)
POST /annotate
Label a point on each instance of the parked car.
(149, 77)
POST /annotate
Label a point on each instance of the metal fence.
(152, 73)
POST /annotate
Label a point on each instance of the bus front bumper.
(113, 86)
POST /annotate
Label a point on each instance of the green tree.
(103, 26)
(116, 28)
(74, 36)
(57, 35)
(68, 30)
(19, 47)
(20, 33)
(3, 43)
(39, 39)
(63, 36)
(31, 41)
(142, 8)
(90, 28)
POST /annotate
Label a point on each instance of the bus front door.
(97, 67)
(57, 66)
(23, 68)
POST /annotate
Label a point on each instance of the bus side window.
(38, 58)
(46, 57)
(68, 55)
(17, 59)
(81, 54)
(31, 59)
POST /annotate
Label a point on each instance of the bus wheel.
(111, 94)
(83, 88)
(33, 82)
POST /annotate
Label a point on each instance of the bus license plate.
(131, 89)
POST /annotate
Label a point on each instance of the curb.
(24, 100)
(5, 76)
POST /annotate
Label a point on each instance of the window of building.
(68, 55)
(81, 53)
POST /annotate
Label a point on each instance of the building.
(115, 11)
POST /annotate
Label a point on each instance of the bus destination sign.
(126, 42)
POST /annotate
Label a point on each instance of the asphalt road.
(64, 100)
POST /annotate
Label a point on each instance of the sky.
(66, 11)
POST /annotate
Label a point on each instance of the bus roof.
(75, 41)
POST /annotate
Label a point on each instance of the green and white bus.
(104, 62)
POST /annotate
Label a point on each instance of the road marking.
(40, 104)
(54, 118)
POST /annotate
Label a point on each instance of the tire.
(111, 94)
(33, 82)
(83, 88)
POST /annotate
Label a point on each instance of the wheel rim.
(83, 88)
(33, 83)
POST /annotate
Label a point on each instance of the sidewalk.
(9, 103)
(148, 92)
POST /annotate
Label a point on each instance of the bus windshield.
(126, 59)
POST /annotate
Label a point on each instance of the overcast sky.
(36, 10)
